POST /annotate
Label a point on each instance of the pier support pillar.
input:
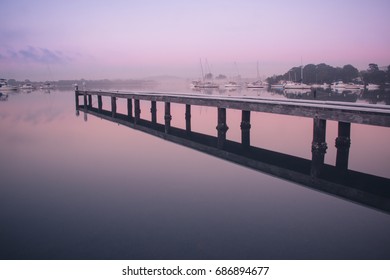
(100, 103)
(245, 128)
(343, 142)
(188, 118)
(129, 107)
(318, 146)
(90, 100)
(222, 128)
(113, 106)
(167, 117)
(85, 101)
(76, 94)
(137, 110)
(153, 111)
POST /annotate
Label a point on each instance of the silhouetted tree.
(309, 74)
(372, 67)
(374, 75)
(348, 73)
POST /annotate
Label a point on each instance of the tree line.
(323, 73)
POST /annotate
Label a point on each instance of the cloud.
(36, 55)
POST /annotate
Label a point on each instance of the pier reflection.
(365, 189)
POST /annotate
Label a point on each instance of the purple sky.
(48, 40)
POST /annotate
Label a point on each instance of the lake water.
(80, 187)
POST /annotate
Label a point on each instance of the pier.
(337, 179)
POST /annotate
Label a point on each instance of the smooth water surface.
(79, 187)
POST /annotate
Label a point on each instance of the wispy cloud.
(36, 55)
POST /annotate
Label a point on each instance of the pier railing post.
(153, 111)
(318, 146)
(100, 103)
(90, 100)
(343, 142)
(167, 117)
(137, 110)
(129, 107)
(222, 128)
(188, 118)
(113, 106)
(76, 94)
(85, 101)
(245, 128)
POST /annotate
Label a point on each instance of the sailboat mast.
(301, 70)
(201, 69)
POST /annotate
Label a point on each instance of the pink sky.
(42, 40)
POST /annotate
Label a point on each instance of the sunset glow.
(42, 40)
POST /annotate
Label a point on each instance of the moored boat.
(292, 85)
(27, 86)
(4, 86)
(257, 84)
(232, 84)
(47, 85)
(372, 86)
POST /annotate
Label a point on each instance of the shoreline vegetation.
(308, 74)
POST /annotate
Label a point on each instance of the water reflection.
(369, 190)
(95, 190)
(3, 96)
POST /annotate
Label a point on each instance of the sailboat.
(231, 83)
(258, 83)
(203, 84)
(295, 85)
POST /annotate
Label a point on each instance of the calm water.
(76, 189)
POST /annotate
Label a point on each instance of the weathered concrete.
(336, 111)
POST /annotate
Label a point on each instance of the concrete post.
(167, 117)
(188, 118)
(100, 103)
(153, 110)
(113, 106)
(222, 128)
(343, 142)
(318, 146)
(137, 110)
(245, 128)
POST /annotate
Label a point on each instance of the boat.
(372, 86)
(346, 86)
(232, 84)
(257, 84)
(207, 85)
(324, 85)
(296, 85)
(278, 86)
(203, 84)
(200, 84)
(4, 86)
(292, 85)
(27, 86)
(352, 86)
(338, 85)
(47, 85)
